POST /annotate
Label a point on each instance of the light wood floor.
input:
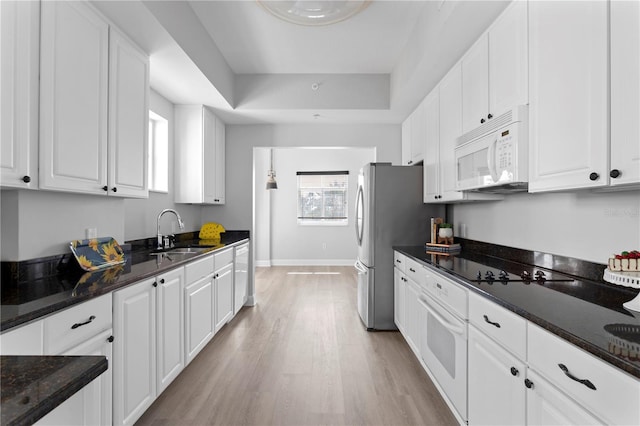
(301, 356)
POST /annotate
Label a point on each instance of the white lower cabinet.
(92, 404)
(399, 286)
(170, 327)
(548, 406)
(496, 389)
(134, 363)
(223, 282)
(199, 315)
(411, 327)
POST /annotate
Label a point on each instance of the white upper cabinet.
(406, 141)
(494, 70)
(431, 164)
(128, 108)
(625, 93)
(569, 133)
(413, 136)
(80, 144)
(199, 156)
(19, 62)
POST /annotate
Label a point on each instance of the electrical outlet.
(91, 233)
(462, 230)
(324, 246)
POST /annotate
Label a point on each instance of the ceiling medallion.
(314, 12)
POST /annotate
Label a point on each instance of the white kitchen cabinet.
(199, 156)
(240, 277)
(223, 283)
(547, 405)
(19, 63)
(128, 117)
(399, 288)
(496, 389)
(134, 360)
(93, 104)
(413, 135)
(92, 404)
(170, 327)
(568, 82)
(23, 340)
(444, 118)
(494, 70)
(625, 93)
(199, 315)
(411, 325)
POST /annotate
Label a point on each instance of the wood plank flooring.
(301, 356)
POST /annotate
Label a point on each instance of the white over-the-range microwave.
(494, 156)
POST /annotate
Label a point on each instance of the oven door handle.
(446, 324)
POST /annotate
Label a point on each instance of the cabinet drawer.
(223, 258)
(198, 269)
(23, 340)
(416, 272)
(616, 394)
(505, 327)
(447, 292)
(75, 325)
(399, 260)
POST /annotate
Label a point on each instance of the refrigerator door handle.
(360, 267)
(359, 222)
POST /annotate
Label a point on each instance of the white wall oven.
(443, 337)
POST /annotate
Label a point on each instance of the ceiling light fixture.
(314, 12)
(271, 174)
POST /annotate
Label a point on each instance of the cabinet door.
(450, 130)
(219, 195)
(625, 92)
(224, 295)
(406, 141)
(547, 406)
(508, 60)
(568, 109)
(128, 118)
(431, 163)
(134, 360)
(475, 85)
(496, 391)
(209, 155)
(399, 284)
(170, 327)
(418, 132)
(19, 63)
(411, 318)
(73, 98)
(199, 316)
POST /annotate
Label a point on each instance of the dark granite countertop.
(25, 300)
(32, 386)
(586, 312)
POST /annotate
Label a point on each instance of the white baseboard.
(264, 263)
(312, 262)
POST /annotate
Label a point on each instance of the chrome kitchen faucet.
(161, 242)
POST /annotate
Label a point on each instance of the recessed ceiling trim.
(314, 12)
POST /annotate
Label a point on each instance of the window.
(158, 153)
(322, 198)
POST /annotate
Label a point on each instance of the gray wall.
(585, 225)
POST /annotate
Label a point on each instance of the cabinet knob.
(105, 188)
(594, 176)
(114, 189)
(26, 179)
(110, 339)
(161, 280)
(482, 120)
(528, 383)
(490, 116)
(514, 371)
(615, 173)
(410, 162)
(155, 284)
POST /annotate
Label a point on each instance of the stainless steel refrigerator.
(389, 212)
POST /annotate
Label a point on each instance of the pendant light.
(314, 12)
(271, 179)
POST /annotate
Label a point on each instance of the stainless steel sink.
(180, 251)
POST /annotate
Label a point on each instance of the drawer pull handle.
(412, 270)
(514, 371)
(398, 260)
(486, 319)
(79, 324)
(567, 373)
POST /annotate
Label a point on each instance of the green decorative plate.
(97, 253)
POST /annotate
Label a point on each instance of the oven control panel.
(447, 292)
